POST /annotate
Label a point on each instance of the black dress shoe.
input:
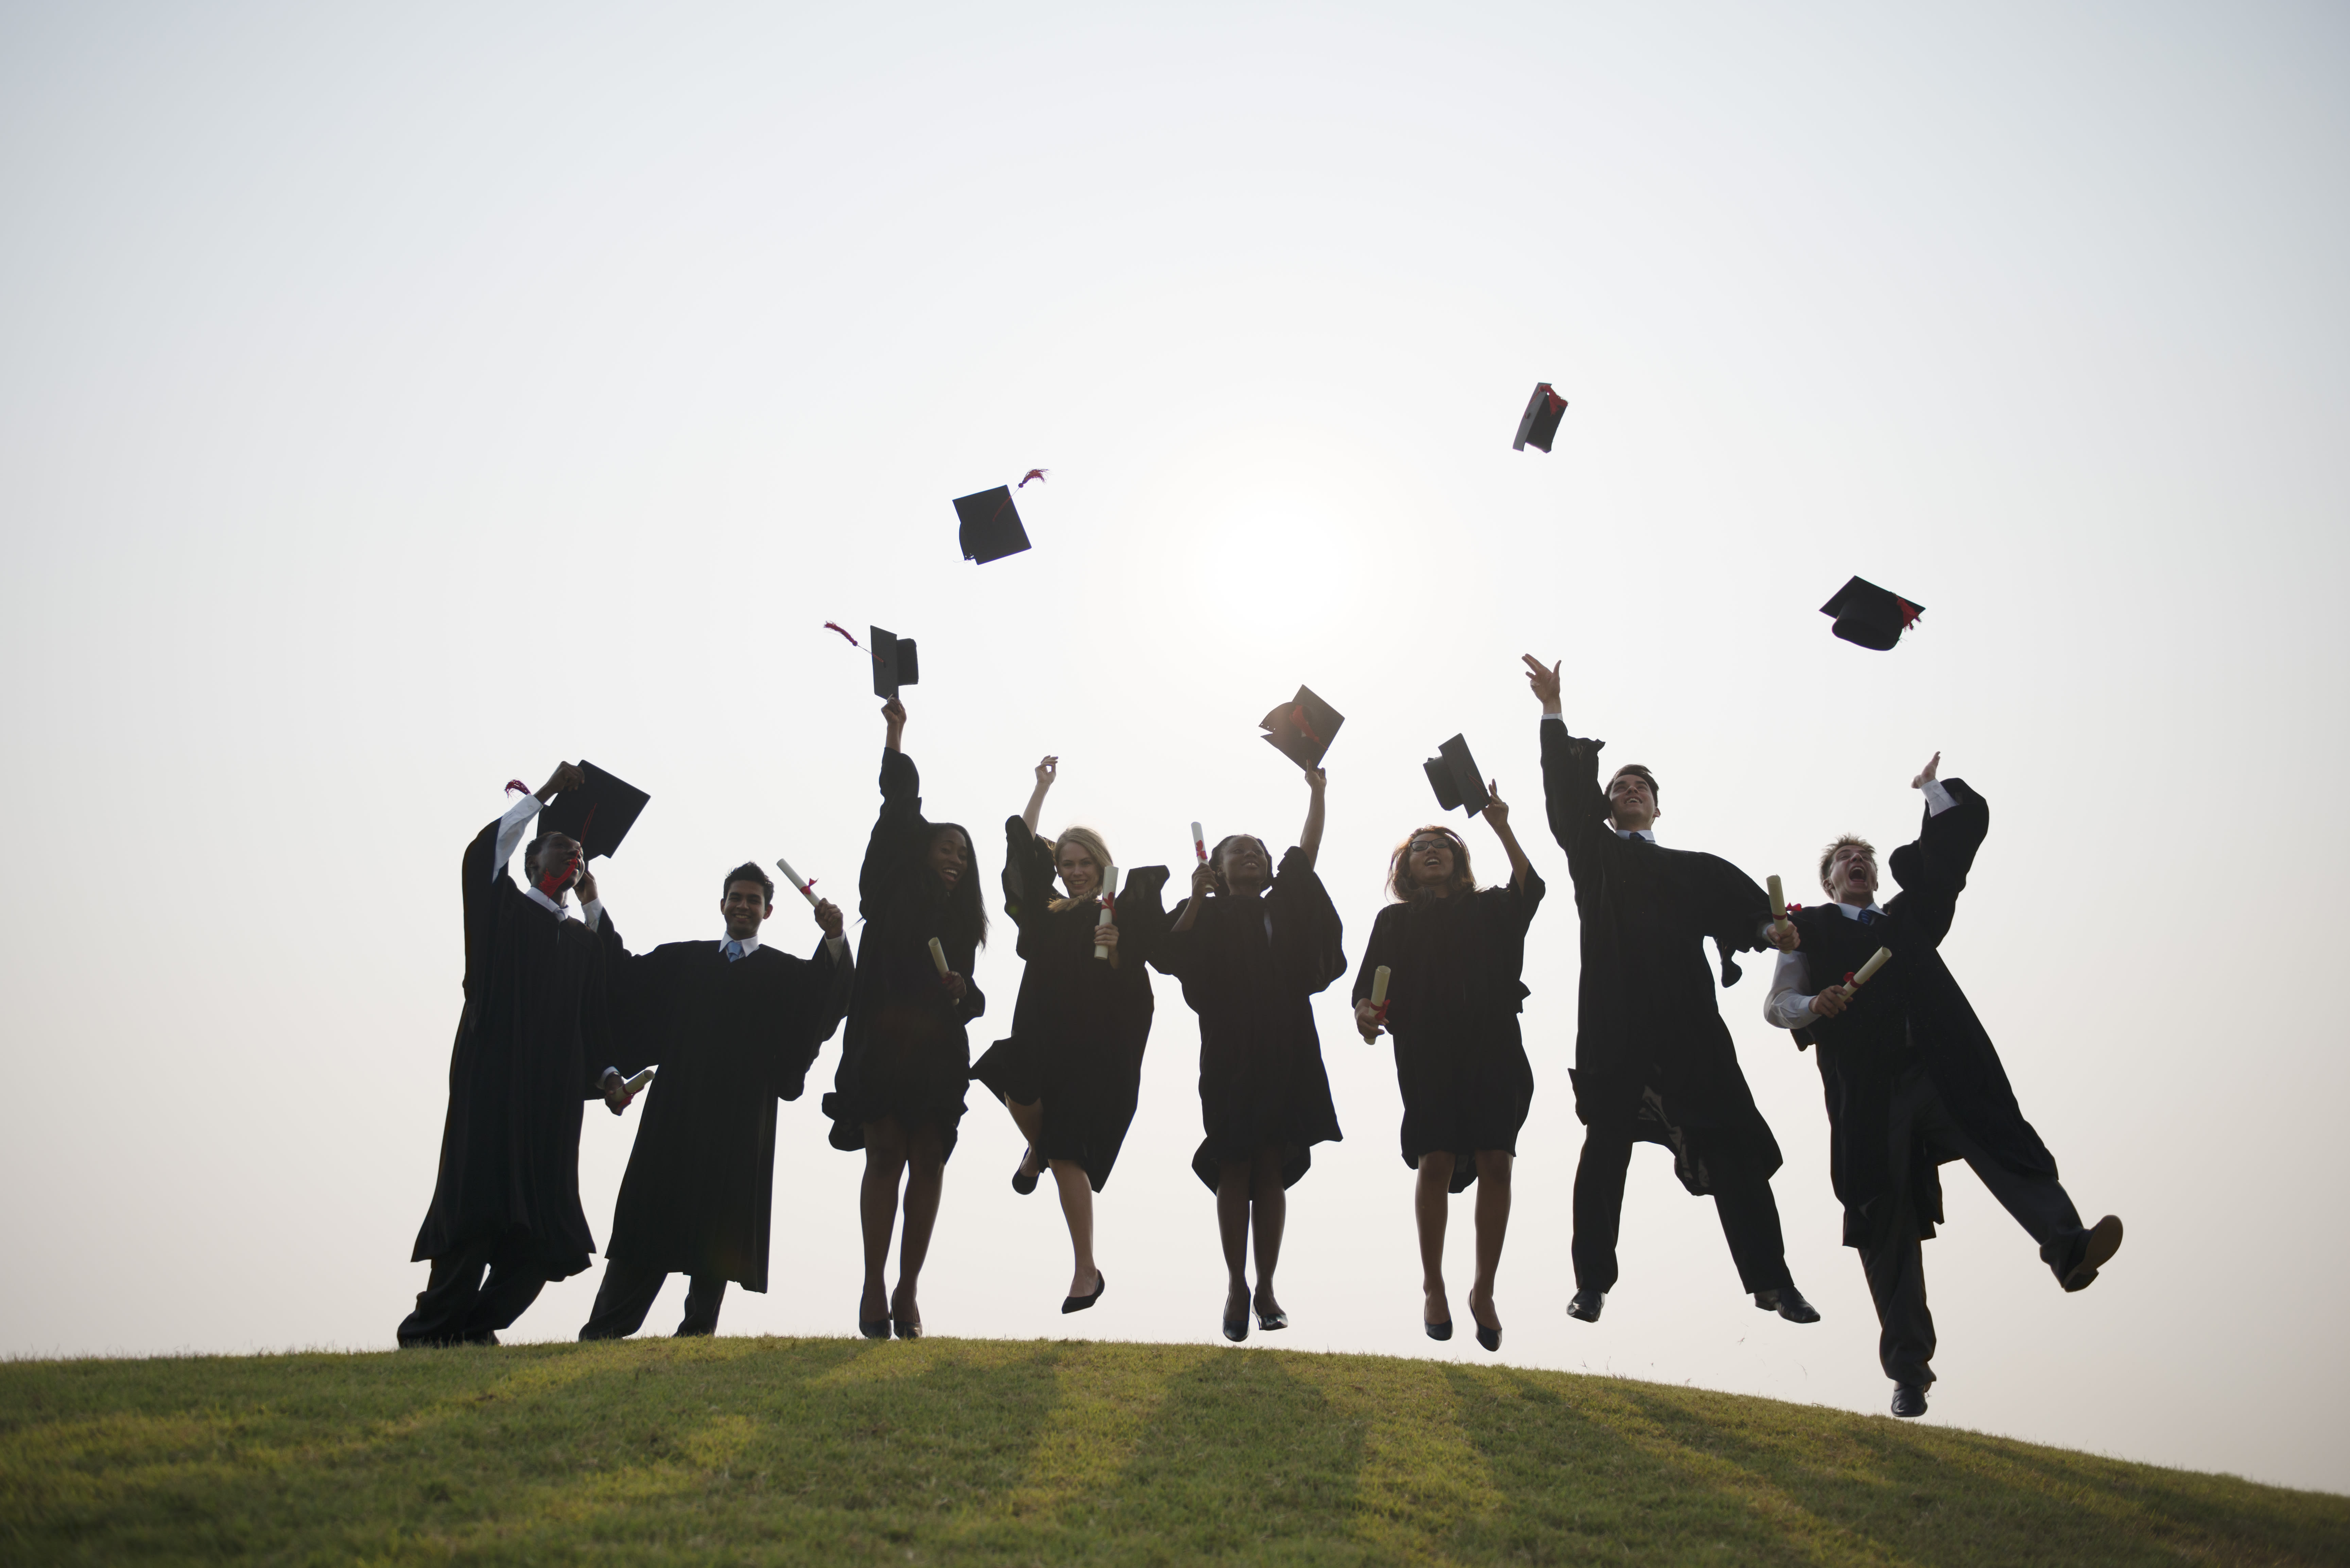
(1439, 1330)
(1908, 1399)
(1236, 1328)
(907, 1329)
(1079, 1304)
(1788, 1302)
(1024, 1180)
(1269, 1321)
(2098, 1245)
(1586, 1305)
(873, 1327)
(1490, 1338)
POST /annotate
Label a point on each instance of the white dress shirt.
(511, 829)
(1788, 1006)
(836, 946)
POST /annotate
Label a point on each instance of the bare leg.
(1077, 1209)
(1431, 1201)
(1493, 1222)
(885, 1162)
(1232, 1224)
(1030, 1120)
(1269, 1210)
(926, 1166)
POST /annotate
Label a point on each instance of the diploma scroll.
(1379, 991)
(939, 956)
(806, 884)
(1877, 960)
(1778, 897)
(1110, 898)
(637, 1084)
(1199, 843)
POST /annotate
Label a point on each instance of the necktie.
(734, 951)
(1868, 917)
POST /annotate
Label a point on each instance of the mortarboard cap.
(1459, 785)
(598, 813)
(893, 661)
(1540, 421)
(1302, 728)
(1868, 615)
(991, 526)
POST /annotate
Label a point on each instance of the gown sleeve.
(1732, 908)
(1573, 800)
(1174, 953)
(1141, 915)
(601, 1045)
(816, 1002)
(639, 991)
(1382, 948)
(1932, 871)
(1306, 931)
(1027, 884)
(894, 831)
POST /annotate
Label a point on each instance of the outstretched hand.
(617, 1092)
(1925, 774)
(1316, 780)
(1783, 935)
(1047, 771)
(1544, 680)
(566, 776)
(827, 915)
(1497, 810)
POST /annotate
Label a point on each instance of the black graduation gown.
(1651, 1047)
(1080, 1025)
(731, 1039)
(1911, 1014)
(1260, 1076)
(905, 1053)
(1454, 1001)
(531, 1045)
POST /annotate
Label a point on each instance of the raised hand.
(1318, 780)
(827, 915)
(1925, 774)
(1047, 771)
(1203, 879)
(566, 776)
(1497, 810)
(1545, 681)
(586, 887)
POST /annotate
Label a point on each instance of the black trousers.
(627, 1293)
(1750, 1216)
(1897, 1266)
(457, 1306)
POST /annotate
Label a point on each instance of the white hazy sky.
(393, 401)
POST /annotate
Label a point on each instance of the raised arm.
(1572, 798)
(1932, 871)
(894, 831)
(1497, 816)
(1309, 838)
(1047, 771)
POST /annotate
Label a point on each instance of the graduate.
(1453, 953)
(1072, 1068)
(1654, 1062)
(734, 1024)
(1252, 946)
(534, 1044)
(905, 1060)
(1913, 1081)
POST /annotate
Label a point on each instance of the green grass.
(987, 1451)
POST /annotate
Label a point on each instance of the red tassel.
(835, 626)
(515, 786)
(1297, 717)
(1910, 612)
(1035, 473)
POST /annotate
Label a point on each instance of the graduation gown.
(1262, 1082)
(1651, 1047)
(905, 1053)
(1454, 1001)
(731, 1039)
(531, 1045)
(1080, 1025)
(1910, 1014)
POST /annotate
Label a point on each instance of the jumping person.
(1913, 1080)
(1252, 946)
(1454, 953)
(905, 1060)
(1654, 1062)
(532, 1045)
(1072, 1068)
(734, 1024)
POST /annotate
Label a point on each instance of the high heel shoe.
(1024, 1180)
(1490, 1338)
(1079, 1304)
(1269, 1321)
(1440, 1330)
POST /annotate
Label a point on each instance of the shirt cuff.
(836, 946)
(1938, 798)
(592, 911)
(1554, 718)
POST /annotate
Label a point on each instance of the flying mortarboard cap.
(598, 813)
(893, 661)
(991, 526)
(1540, 421)
(1302, 728)
(1868, 615)
(1453, 771)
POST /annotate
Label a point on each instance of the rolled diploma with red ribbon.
(1778, 897)
(1110, 898)
(1379, 991)
(807, 888)
(1199, 843)
(639, 1081)
(939, 956)
(1876, 961)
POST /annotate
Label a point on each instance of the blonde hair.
(1086, 839)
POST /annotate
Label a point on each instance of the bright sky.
(395, 403)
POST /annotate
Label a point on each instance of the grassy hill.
(987, 1451)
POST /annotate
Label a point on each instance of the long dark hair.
(965, 918)
(1405, 887)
